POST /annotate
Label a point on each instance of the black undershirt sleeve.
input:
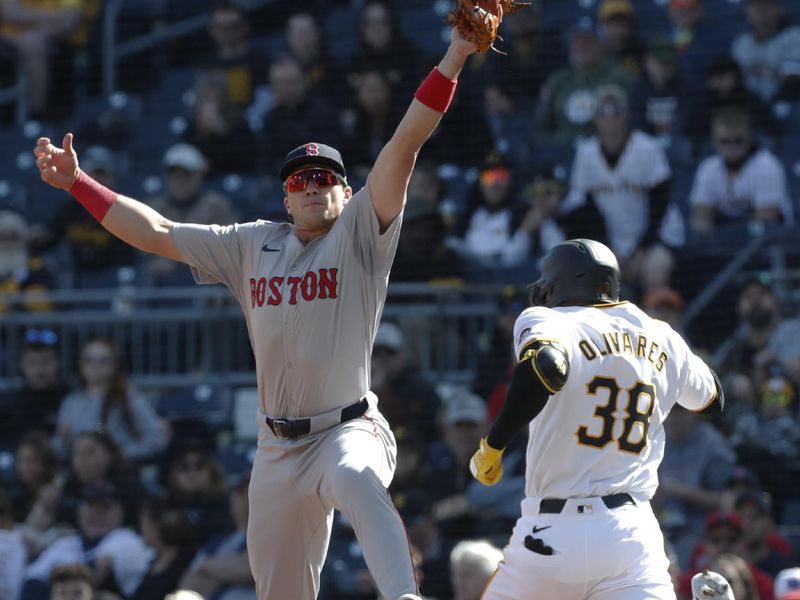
(525, 398)
(659, 201)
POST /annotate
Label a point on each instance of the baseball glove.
(478, 20)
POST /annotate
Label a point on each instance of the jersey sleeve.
(536, 324)
(771, 189)
(214, 252)
(377, 249)
(698, 389)
(702, 193)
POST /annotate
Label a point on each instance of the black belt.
(291, 429)
(556, 505)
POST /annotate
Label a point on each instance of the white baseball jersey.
(603, 432)
(621, 191)
(765, 63)
(760, 183)
(311, 311)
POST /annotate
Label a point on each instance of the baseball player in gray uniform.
(312, 293)
(596, 379)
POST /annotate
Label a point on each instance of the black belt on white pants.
(290, 429)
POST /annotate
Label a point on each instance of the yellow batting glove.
(486, 464)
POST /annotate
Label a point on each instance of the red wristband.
(96, 198)
(436, 91)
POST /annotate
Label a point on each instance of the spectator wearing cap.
(423, 253)
(218, 129)
(21, 271)
(659, 97)
(463, 421)
(696, 467)
(34, 401)
(766, 548)
(173, 539)
(741, 182)
(568, 99)
(787, 584)
(186, 199)
(769, 53)
(409, 400)
(221, 567)
(618, 21)
(544, 196)
(295, 115)
(625, 174)
(95, 256)
(696, 36)
(723, 534)
(117, 556)
(72, 582)
(724, 87)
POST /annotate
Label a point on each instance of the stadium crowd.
(669, 130)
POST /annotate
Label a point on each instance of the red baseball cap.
(719, 517)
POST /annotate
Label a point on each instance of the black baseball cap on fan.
(313, 153)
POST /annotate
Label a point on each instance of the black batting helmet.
(577, 272)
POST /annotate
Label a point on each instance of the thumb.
(67, 144)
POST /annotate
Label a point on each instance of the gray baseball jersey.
(311, 311)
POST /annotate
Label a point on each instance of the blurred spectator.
(103, 398)
(740, 182)
(759, 315)
(472, 563)
(171, 535)
(617, 19)
(295, 116)
(94, 458)
(534, 52)
(117, 556)
(783, 349)
(196, 483)
(723, 535)
(35, 466)
(183, 595)
(422, 253)
(664, 304)
(724, 87)
(787, 584)
(241, 63)
(696, 35)
(545, 195)
(766, 548)
(383, 47)
(71, 582)
(34, 402)
(20, 271)
(13, 554)
(187, 199)
(374, 119)
(567, 102)
(345, 575)
(409, 474)
(660, 97)
(43, 37)
(463, 422)
(736, 572)
(95, 255)
(697, 465)
(489, 235)
(221, 570)
(626, 175)
(408, 398)
(769, 54)
(218, 129)
(305, 41)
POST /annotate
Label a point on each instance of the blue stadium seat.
(209, 402)
(560, 14)
(426, 28)
(341, 32)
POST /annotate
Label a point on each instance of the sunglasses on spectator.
(298, 182)
(495, 176)
(44, 337)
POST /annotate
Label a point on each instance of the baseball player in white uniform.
(312, 293)
(596, 379)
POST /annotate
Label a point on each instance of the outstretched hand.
(57, 166)
(459, 44)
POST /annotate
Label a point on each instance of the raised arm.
(389, 177)
(128, 219)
